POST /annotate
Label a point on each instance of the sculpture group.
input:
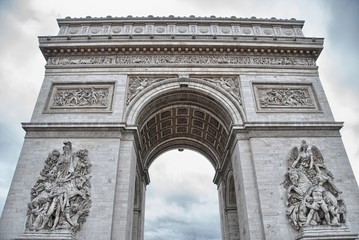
(312, 197)
(286, 97)
(81, 97)
(60, 199)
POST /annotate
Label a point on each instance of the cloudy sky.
(22, 70)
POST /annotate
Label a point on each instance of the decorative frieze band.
(279, 97)
(182, 29)
(130, 60)
(80, 97)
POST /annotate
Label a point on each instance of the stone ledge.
(326, 233)
(45, 235)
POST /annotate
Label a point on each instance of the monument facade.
(245, 93)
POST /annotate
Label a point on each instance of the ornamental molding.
(180, 26)
(80, 97)
(178, 60)
(179, 35)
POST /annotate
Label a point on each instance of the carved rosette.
(312, 197)
(60, 199)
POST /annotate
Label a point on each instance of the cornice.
(287, 126)
(177, 19)
(179, 35)
(247, 126)
(62, 126)
(79, 46)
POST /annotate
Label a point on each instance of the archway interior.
(185, 118)
(181, 201)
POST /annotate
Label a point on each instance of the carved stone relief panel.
(60, 199)
(138, 60)
(138, 83)
(228, 83)
(88, 97)
(287, 97)
(313, 199)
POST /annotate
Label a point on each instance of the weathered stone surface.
(240, 91)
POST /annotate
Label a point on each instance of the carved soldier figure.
(318, 192)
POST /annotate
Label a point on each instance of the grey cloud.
(185, 201)
(343, 35)
(175, 229)
(9, 152)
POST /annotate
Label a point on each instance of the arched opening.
(185, 118)
(182, 201)
(178, 115)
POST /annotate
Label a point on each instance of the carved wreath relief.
(312, 197)
(60, 199)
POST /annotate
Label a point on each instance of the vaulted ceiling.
(184, 119)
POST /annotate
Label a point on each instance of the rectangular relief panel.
(81, 97)
(279, 97)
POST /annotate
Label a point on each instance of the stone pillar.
(248, 203)
(125, 190)
(223, 215)
(138, 210)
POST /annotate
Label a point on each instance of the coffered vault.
(187, 113)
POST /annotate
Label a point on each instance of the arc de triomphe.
(245, 93)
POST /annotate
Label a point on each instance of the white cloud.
(181, 184)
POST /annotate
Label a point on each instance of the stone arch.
(229, 103)
(182, 112)
(189, 113)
